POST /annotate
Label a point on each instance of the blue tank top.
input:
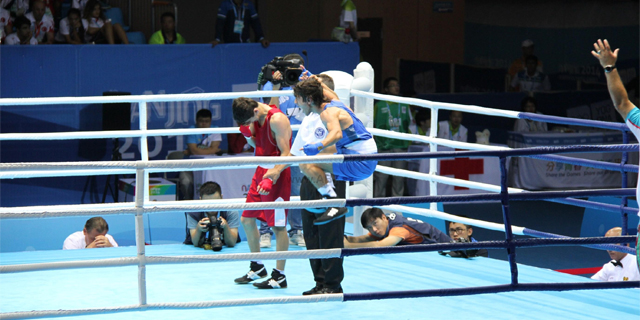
(430, 234)
(355, 132)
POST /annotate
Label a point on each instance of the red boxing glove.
(266, 184)
(246, 131)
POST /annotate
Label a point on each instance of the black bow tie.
(616, 263)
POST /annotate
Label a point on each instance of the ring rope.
(428, 104)
(176, 305)
(234, 204)
(557, 240)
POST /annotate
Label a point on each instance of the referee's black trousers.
(328, 273)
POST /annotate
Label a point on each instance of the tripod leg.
(107, 186)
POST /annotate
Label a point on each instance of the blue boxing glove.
(305, 74)
(312, 149)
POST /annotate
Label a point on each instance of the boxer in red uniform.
(268, 130)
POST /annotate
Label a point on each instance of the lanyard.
(236, 12)
(451, 135)
(398, 111)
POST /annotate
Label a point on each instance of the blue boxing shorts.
(353, 170)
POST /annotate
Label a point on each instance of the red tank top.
(266, 144)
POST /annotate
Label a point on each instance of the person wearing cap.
(520, 63)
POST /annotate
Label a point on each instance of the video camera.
(461, 253)
(214, 240)
(290, 70)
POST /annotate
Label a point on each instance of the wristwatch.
(609, 68)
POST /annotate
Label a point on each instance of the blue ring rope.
(521, 196)
(491, 289)
(491, 153)
(572, 121)
(595, 205)
(553, 240)
(589, 163)
(540, 234)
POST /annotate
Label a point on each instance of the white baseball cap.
(527, 43)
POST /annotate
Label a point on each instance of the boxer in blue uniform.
(345, 135)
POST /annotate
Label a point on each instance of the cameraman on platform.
(199, 223)
(292, 65)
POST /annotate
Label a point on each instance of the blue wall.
(88, 70)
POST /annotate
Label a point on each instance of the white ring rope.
(142, 98)
(128, 261)
(178, 305)
(177, 165)
(438, 141)
(120, 134)
(214, 205)
(438, 105)
(143, 167)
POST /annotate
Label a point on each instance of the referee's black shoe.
(329, 215)
(315, 290)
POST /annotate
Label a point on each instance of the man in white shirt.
(94, 235)
(41, 25)
(452, 129)
(622, 267)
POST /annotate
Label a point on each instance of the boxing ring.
(178, 281)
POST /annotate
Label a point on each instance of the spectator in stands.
(99, 29)
(622, 267)
(349, 19)
(530, 79)
(16, 8)
(79, 4)
(528, 104)
(41, 25)
(23, 34)
(393, 229)
(198, 144)
(168, 33)
(394, 117)
(94, 235)
(6, 25)
(453, 129)
(460, 232)
(519, 64)
(234, 19)
(71, 29)
(197, 221)
(423, 122)
(295, 115)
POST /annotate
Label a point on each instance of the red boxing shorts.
(280, 190)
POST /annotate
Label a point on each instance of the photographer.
(199, 223)
(393, 229)
(462, 233)
(273, 79)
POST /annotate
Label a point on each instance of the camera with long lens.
(290, 69)
(461, 253)
(214, 240)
